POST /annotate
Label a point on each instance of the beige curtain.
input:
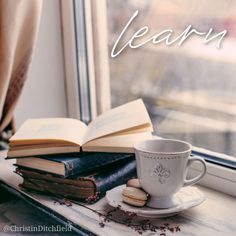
(19, 23)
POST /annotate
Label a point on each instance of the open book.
(114, 131)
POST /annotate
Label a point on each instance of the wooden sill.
(216, 216)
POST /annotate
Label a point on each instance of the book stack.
(66, 158)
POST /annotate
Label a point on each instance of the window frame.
(221, 174)
(85, 58)
(79, 59)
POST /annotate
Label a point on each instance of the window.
(189, 90)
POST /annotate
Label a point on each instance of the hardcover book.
(69, 164)
(114, 131)
(79, 187)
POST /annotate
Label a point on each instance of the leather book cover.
(75, 164)
(80, 187)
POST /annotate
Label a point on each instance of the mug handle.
(191, 159)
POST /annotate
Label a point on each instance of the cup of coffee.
(162, 166)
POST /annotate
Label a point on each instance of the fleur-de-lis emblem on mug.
(161, 172)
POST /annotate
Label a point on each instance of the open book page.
(120, 143)
(50, 129)
(126, 117)
(139, 129)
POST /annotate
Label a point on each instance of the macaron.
(134, 196)
(133, 183)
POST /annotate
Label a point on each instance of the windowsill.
(217, 177)
(213, 217)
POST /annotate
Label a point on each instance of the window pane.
(188, 89)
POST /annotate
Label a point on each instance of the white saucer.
(186, 198)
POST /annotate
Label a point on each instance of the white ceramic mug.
(162, 166)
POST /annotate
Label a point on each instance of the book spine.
(116, 176)
(70, 168)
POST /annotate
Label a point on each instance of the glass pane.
(188, 89)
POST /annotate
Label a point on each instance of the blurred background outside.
(190, 91)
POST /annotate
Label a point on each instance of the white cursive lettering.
(163, 36)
